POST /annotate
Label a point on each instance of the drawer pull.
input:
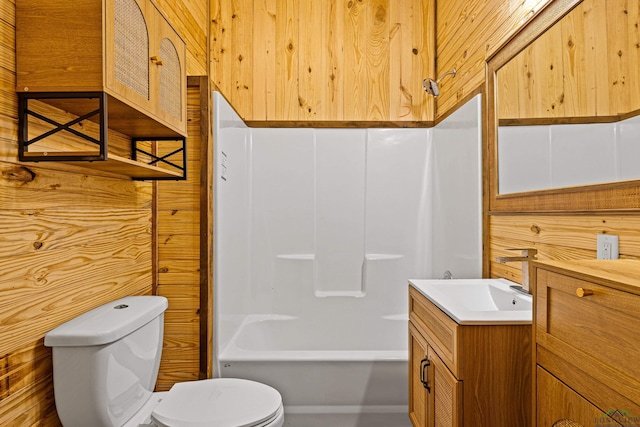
(582, 292)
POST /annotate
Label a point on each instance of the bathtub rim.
(231, 352)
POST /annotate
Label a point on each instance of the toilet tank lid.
(107, 323)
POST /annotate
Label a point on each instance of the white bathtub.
(330, 366)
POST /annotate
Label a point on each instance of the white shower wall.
(317, 222)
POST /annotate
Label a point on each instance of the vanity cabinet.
(587, 321)
(466, 375)
(435, 391)
(120, 59)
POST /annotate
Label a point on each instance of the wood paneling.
(584, 66)
(180, 275)
(331, 61)
(325, 61)
(557, 237)
(468, 32)
(72, 239)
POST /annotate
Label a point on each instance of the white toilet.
(105, 365)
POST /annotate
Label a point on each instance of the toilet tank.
(106, 361)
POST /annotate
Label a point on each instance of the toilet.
(105, 365)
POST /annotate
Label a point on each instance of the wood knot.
(535, 229)
(381, 14)
(37, 245)
(415, 51)
(163, 270)
(18, 174)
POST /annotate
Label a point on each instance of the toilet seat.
(220, 402)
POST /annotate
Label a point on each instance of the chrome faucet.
(526, 257)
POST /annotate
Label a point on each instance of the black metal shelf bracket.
(166, 159)
(24, 113)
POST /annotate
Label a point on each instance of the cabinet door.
(447, 394)
(128, 26)
(170, 86)
(559, 406)
(419, 370)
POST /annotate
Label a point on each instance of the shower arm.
(452, 72)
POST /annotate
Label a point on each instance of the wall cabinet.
(466, 375)
(116, 63)
(587, 330)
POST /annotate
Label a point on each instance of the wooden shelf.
(123, 166)
(116, 165)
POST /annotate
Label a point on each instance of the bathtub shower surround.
(317, 234)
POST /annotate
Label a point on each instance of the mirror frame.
(615, 196)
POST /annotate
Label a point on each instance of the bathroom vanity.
(587, 323)
(468, 371)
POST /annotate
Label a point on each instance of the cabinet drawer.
(440, 330)
(558, 405)
(598, 333)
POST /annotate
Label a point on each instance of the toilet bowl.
(105, 365)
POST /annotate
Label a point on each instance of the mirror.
(563, 98)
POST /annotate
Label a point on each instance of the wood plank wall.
(468, 32)
(576, 69)
(320, 61)
(566, 236)
(354, 62)
(180, 274)
(70, 240)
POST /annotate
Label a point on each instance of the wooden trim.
(154, 239)
(486, 173)
(560, 120)
(611, 212)
(206, 226)
(630, 114)
(610, 197)
(544, 20)
(337, 124)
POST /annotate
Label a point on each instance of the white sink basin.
(478, 301)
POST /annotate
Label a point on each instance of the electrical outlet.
(607, 246)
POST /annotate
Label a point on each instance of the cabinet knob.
(156, 60)
(581, 292)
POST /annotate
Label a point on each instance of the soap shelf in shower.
(297, 257)
(382, 257)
